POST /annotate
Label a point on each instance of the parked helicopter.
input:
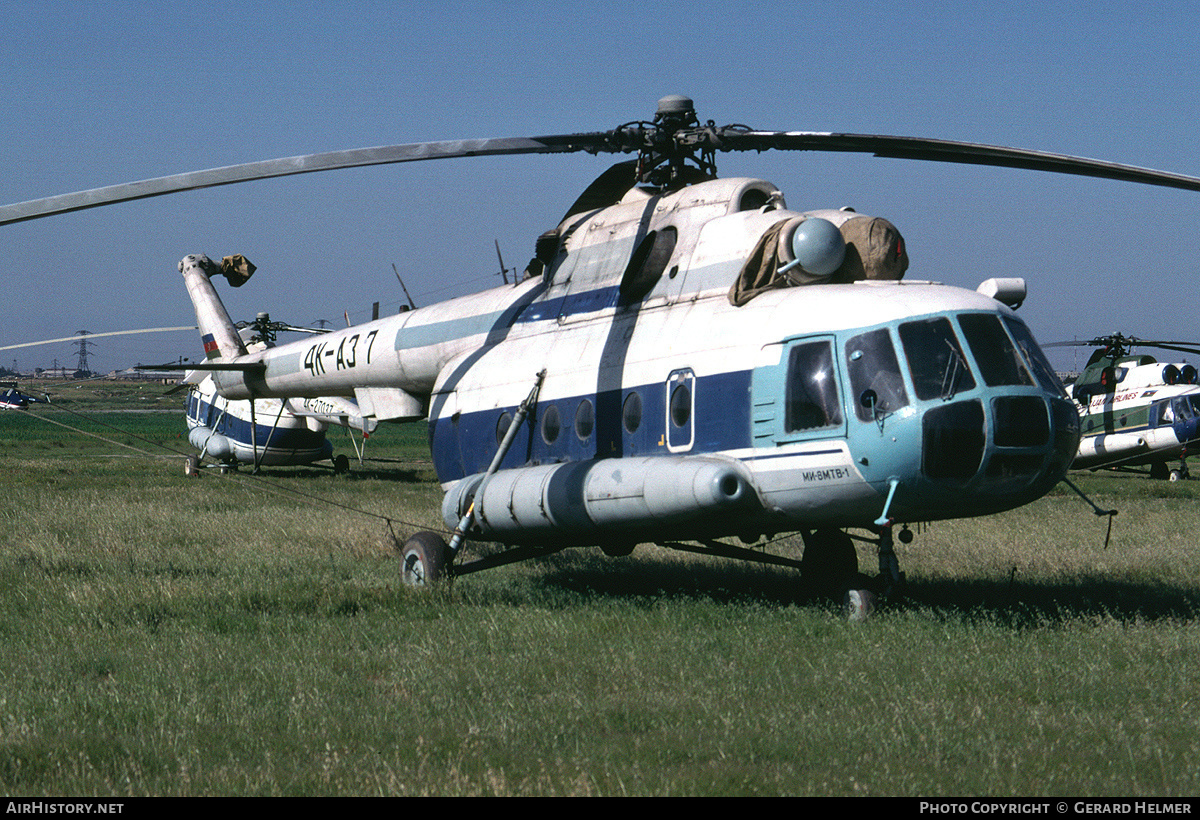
(685, 359)
(266, 432)
(11, 397)
(1136, 411)
(269, 432)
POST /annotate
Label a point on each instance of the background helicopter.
(1136, 411)
(257, 433)
(268, 432)
(11, 397)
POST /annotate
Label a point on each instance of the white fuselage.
(648, 376)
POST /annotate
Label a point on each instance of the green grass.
(231, 635)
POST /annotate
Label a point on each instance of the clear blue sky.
(101, 93)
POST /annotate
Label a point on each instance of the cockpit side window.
(812, 394)
(994, 352)
(938, 367)
(876, 386)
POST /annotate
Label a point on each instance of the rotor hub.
(669, 142)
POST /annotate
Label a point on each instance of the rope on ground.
(109, 440)
(261, 482)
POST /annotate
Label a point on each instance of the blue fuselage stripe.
(283, 438)
(537, 310)
(465, 444)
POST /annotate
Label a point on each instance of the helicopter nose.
(994, 453)
(1188, 432)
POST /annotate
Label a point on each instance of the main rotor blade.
(624, 139)
(297, 329)
(231, 367)
(921, 148)
(289, 166)
(79, 336)
(1193, 349)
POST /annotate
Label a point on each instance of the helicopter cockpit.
(972, 390)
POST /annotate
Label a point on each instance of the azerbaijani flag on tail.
(210, 346)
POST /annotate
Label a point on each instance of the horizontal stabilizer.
(242, 367)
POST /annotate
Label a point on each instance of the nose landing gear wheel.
(829, 568)
(858, 604)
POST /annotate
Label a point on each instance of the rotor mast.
(672, 139)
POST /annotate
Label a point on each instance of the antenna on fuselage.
(406, 293)
(503, 270)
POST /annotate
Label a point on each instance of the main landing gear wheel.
(617, 550)
(341, 464)
(829, 569)
(423, 560)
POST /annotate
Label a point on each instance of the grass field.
(234, 635)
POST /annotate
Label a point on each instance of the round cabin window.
(585, 420)
(551, 424)
(631, 412)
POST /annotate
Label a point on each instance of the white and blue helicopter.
(258, 433)
(687, 361)
(270, 431)
(1136, 412)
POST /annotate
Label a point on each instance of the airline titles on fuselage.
(1099, 402)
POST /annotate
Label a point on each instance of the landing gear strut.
(859, 603)
(889, 567)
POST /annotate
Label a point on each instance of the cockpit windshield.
(1042, 370)
(1002, 353)
(938, 367)
(993, 349)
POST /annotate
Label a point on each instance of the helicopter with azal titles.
(1136, 411)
